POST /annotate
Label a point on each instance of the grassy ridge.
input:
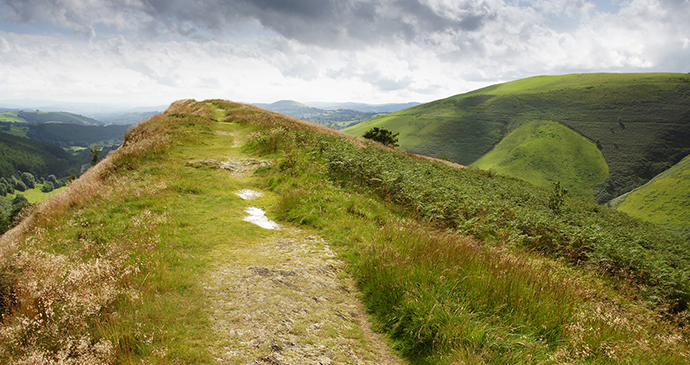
(639, 121)
(544, 152)
(664, 200)
(111, 271)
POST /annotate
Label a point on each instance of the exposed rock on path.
(290, 303)
(238, 166)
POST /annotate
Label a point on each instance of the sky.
(150, 52)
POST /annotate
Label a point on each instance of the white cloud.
(373, 51)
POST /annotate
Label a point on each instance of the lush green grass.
(545, 152)
(11, 117)
(446, 298)
(62, 117)
(664, 200)
(637, 120)
(36, 195)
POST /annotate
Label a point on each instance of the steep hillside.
(152, 257)
(66, 135)
(641, 122)
(664, 200)
(36, 157)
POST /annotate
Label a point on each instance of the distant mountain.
(125, 118)
(103, 113)
(639, 122)
(370, 108)
(338, 119)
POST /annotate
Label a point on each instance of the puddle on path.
(248, 194)
(256, 216)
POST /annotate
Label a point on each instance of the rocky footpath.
(288, 301)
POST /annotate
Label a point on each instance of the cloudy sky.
(158, 51)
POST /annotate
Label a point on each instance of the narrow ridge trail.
(284, 297)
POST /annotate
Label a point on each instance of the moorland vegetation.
(456, 265)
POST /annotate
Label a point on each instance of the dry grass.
(57, 302)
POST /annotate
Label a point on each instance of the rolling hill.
(545, 152)
(149, 257)
(640, 122)
(55, 117)
(664, 200)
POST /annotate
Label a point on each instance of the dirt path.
(291, 305)
(287, 300)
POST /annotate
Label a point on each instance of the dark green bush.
(20, 186)
(29, 180)
(47, 187)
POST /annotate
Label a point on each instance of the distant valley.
(335, 115)
(51, 144)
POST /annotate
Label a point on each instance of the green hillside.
(664, 200)
(640, 122)
(59, 117)
(68, 135)
(545, 152)
(150, 257)
(36, 157)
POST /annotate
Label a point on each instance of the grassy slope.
(640, 121)
(11, 117)
(664, 200)
(113, 268)
(544, 152)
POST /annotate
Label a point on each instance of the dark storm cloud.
(346, 23)
(325, 23)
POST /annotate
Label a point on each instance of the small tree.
(95, 154)
(382, 135)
